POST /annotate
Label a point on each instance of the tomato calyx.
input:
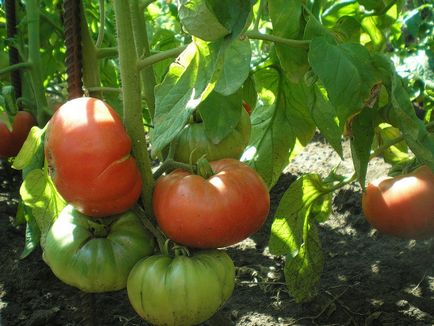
(98, 228)
(204, 169)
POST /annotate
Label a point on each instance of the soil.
(368, 278)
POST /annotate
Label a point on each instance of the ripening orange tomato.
(402, 206)
(88, 152)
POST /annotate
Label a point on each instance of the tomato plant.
(88, 151)
(307, 67)
(402, 206)
(215, 212)
(192, 143)
(11, 141)
(184, 290)
(95, 256)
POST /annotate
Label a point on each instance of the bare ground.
(368, 278)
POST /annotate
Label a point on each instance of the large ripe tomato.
(12, 141)
(402, 206)
(95, 256)
(181, 290)
(88, 151)
(217, 212)
(193, 142)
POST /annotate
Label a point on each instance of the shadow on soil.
(368, 278)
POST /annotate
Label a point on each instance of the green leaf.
(288, 22)
(40, 196)
(347, 29)
(303, 271)
(339, 9)
(278, 123)
(346, 72)
(189, 81)
(33, 234)
(324, 115)
(292, 214)
(294, 233)
(199, 19)
(220, 115)
(249, 92)
(33, 144)
(236, 67)
(211, 20)
(362, 136)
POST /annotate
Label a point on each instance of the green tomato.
(193, 141)
(96, 255)
(181, 290)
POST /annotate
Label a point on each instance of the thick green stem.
(91, 76)
(34, 59)
(142, 49)
(160, 57)
(132, 113)
(102, 53)
(170, 165)
(158, 235)
(276, 39)
(18, 66)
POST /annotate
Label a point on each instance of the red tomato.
(210, 213)
(247, 107)
(402, 206)
(88, 151)
(12, 141)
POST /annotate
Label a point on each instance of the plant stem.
(154, 58)
(277, 39)
(169, 165)
(101, 24)
(132, 108)
(105, 89)
(21, 65)
(91, 76)
(102, 53)
(142, 44)
(158, 235)
(34, 59)
(259, 15)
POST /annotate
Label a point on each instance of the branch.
(278, 39)
(21, 65)
(143, 63)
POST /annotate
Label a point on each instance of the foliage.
(350, 70)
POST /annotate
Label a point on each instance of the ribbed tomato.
(96, 256)
(184, 290)
(88, 151)
(402, 206)
(12, 141)
(215, 212)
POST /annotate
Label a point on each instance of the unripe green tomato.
(96, 256)
(194, 142)
(181, 290)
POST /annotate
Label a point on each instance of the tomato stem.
(142, 48)
(277, 39)
(204, 169)
(132, 105)
(170, 165)
(34, 58)
(158, 235)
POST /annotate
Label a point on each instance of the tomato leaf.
(289, 23)
(345, 71)
(220, 115)
(236, 67)
(400, 114)
(294, 233)
(33, 234)
(40, 196)
(362, 136)
(33, 144)
(199, 19)
(189, 80)
(324, 115)
(278, 123)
